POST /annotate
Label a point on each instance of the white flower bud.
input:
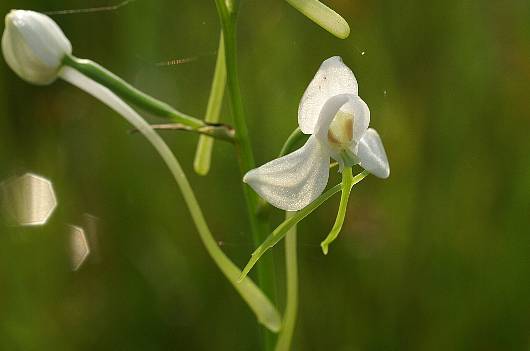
(34, 46)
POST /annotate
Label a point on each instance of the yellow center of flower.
(340, 132)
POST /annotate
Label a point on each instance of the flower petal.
(327, 113)
(372, 154)
(293, 181)
(333, 78)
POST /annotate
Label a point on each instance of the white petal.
(333, 78)
(34, 46)
(327, 113)
(372, 154)
(293, 181)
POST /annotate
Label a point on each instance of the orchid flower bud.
(34, 46)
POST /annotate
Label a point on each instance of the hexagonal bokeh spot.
(79, 248)
(28, 200)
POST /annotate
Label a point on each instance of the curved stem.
(284, 227)
(128, 92)
(144, 101)
(257, 301)
(203, 155)
(291, 306)
(347, 180)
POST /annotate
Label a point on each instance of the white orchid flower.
(34, 46)
(336, 119)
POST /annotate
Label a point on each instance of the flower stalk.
(129, 93)
(259, 226)
(291, 306)
(264, 310)
(146, 102)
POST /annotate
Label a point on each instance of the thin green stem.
(265, 311)
(228, 22)
(291, 306)
(291, 265)
(146, 102)
(203, 155)
(347, 179)
(228, 10)
(284, 227)
(128, 92)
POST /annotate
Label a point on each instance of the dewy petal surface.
(293, 181)
(332, 78)
(372, 154)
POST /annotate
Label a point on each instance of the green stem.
(128, 92)
(259, 226)
(347, 179)
(255, 298)
(203, 155)
(146, 102)
(291, 306)
(284, 227)
(291, 265)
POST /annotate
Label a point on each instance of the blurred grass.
(435, 258)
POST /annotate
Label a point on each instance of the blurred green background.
(437, 257)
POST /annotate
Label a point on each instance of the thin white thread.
(89, 10)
